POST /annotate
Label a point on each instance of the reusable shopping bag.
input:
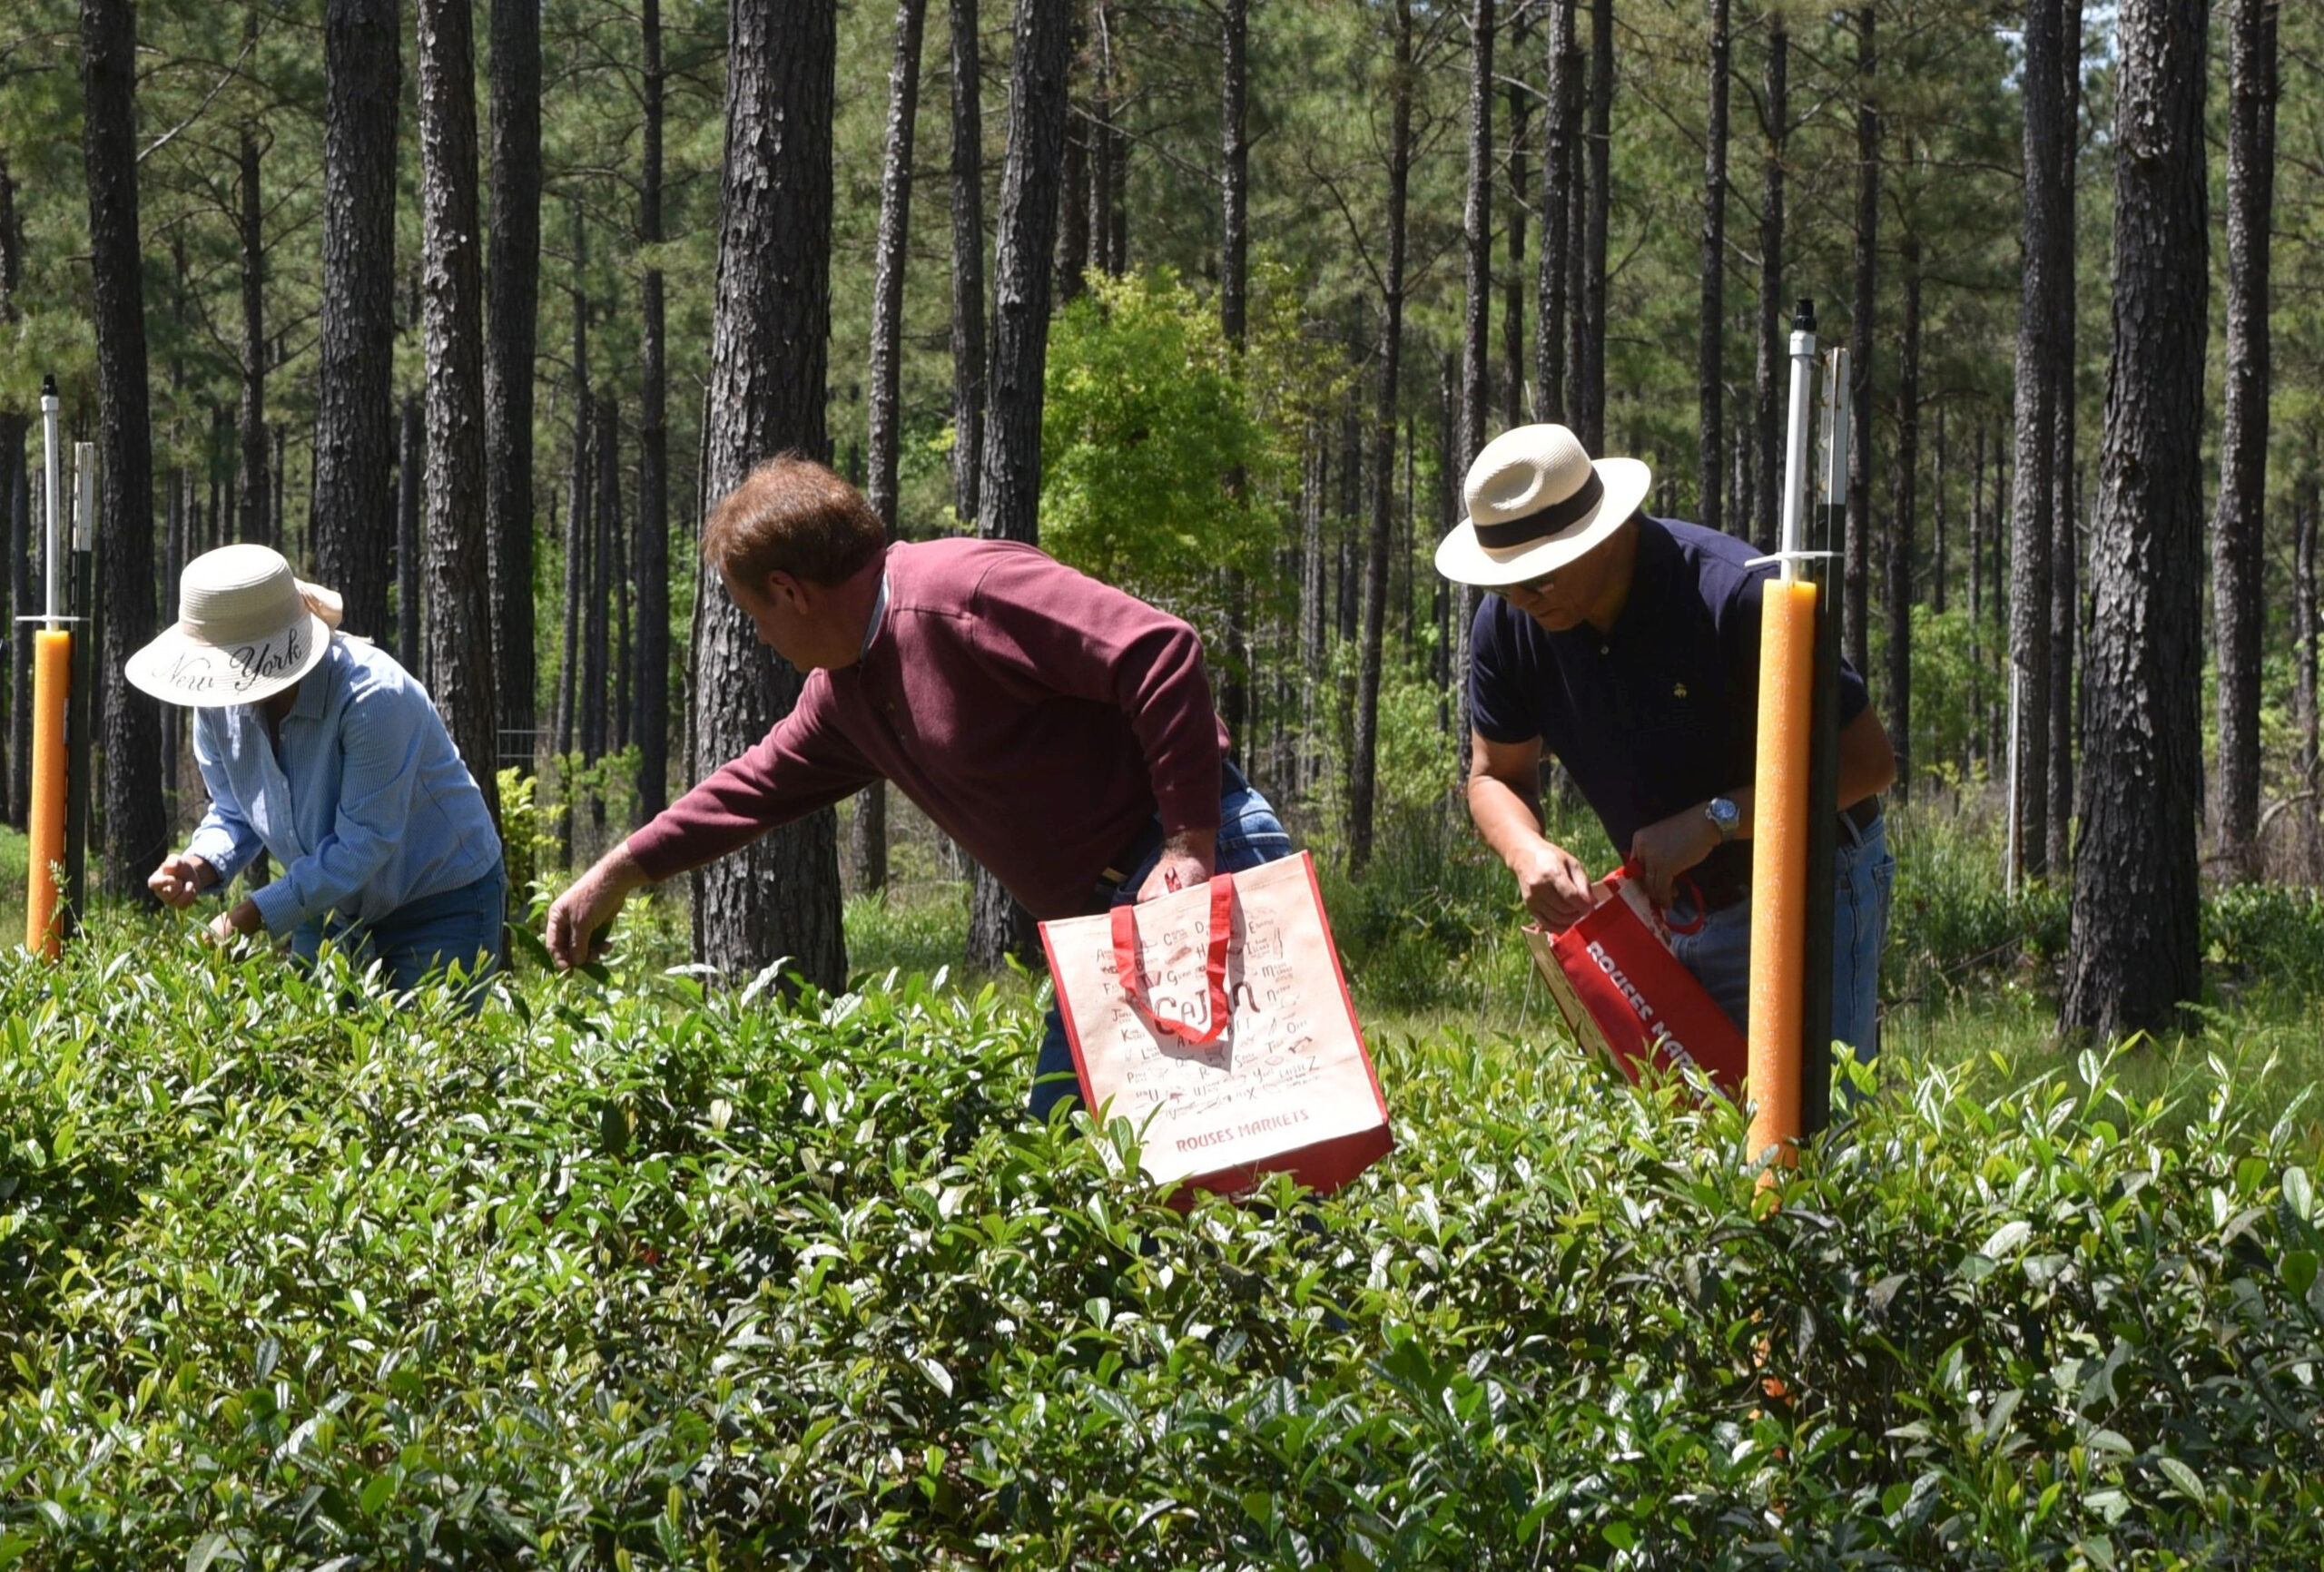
(1217, 1021)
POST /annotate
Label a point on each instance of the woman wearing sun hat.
(1629, 648)
(319, 749)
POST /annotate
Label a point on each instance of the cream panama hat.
(1536, 502)
(247, 629)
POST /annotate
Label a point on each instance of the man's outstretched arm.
(590, 904)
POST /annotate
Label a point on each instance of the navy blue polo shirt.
(1659, 712)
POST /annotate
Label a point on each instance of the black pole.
(1823, 831)
(77, 781)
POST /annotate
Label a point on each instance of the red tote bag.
(1217, 1021)
(1624, 994)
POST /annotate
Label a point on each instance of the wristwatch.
(1722, 813)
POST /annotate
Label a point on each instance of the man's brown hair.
(791, 514)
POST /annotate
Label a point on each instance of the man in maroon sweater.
(1059, 730)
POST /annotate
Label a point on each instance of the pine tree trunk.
(1977, 596)
(252, 489)
(2134, 955)
(460, 601)
(1770, 377)
(1233, 674)
(1590, 401)
(1011, 482)
(2304, 703)
(1512, 308)
(1855, 579)
(604, 439)
(1073, 198)
(16, 495)
(351, 515)
(652, 724)
(868, 833)
(2065, 469)
(1364, 749)
(1476, 226)
(2032, 524)
(968, 265)
(1937, 522)
(1896, 705)
(781, 896)
(1710, 376)
(1560, 150)
(135, 832)
(411, 478)
(512, 304)
(2239, 529)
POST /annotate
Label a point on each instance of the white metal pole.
(1796, 453)
(53, 535)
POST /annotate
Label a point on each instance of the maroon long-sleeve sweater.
(1039, 717)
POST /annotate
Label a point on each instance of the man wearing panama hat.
(318, 748)
(1629, 648)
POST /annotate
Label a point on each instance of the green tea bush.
(623, 1274)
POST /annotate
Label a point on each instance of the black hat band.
(1549, 521)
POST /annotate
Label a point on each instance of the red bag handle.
(1133, 976)
(1628, 869)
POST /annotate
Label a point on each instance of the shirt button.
(1605, 649)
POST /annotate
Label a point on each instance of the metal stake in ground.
(51, 684)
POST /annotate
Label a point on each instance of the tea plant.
(623, 1272)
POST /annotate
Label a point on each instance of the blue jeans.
(421, 936)
(1863, 873)
(1248, 835)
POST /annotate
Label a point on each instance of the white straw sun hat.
(1536, 502)
(247, 629)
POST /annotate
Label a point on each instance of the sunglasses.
(1532, 586)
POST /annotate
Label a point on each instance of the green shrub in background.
(622, 1274)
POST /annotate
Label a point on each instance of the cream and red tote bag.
(1217, 1021)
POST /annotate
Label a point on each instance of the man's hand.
(1189, 858)
(180, 880)
(590, 905)
(1555, 886)
(242, 918)
(1668, 848)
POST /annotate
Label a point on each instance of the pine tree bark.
(1476, 227)
(460, 598)
(652, 723)
(2033, 523)
(1234, 288)
(2065, 473)
(2134, 954)
(512, 303)
(867, 837)
(770, 331)
(1364, 749)
(135, 832)
(1938, 524)
(351, 518)
(2304, 700)
(1710, 375)
(16, 495)
(1561, 159)
(253, 490)
(968, 264)
(1012, 482)
(596, 630)
(1770, 375)
(1513, 299)
(1896, 705)
(1855, 577)
(2239, 529)
(411, 478)
(1589, 402)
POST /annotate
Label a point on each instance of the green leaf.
(206, 1549)
(2189, 1484)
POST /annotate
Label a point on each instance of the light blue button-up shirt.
(364, 803)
